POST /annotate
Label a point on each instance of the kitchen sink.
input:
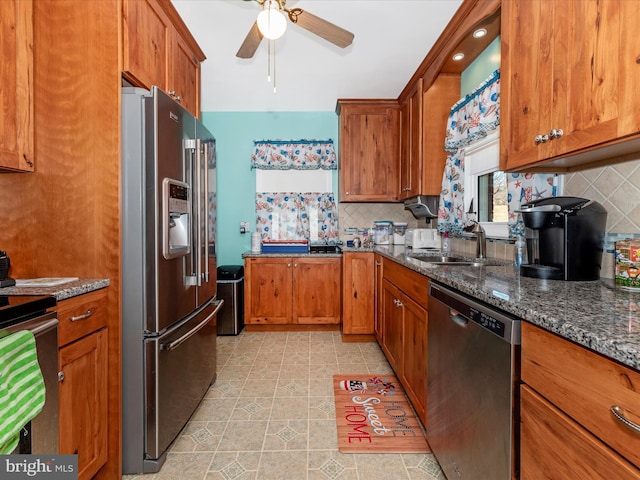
(458, 261)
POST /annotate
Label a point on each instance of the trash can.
(231, 290)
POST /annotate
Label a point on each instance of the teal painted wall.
(235, 133)
(480, 69)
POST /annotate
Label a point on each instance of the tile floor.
(270, 415)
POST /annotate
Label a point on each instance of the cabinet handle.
(84, 316)
(174, 95)
(397, 302)
(618, 412)
(541, 139)
(555, 133)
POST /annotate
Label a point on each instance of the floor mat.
(373, 415)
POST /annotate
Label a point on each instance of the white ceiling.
(392, 38)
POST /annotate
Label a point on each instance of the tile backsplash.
(616, 187)
(362, 215)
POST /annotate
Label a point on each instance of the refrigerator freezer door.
(181, 365)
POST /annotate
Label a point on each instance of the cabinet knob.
(295, 265)
(288, 265)
(346, 193)
(555, 133)
(60, 376)
(541, 139)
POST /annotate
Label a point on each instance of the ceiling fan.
(327, 30)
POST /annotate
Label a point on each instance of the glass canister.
(383, 232)
(399, 231)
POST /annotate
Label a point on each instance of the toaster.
(422, 238)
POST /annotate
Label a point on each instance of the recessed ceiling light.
(481, 32)
(457, 57)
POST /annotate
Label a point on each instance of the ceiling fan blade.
(327, 30)
(251, 42)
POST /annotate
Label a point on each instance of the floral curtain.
(296, 216)
(523, 188)
(470, 119)
(475, 115)
(294, 155)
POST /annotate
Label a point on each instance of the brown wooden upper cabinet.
(159, 50)
(369, 150)
(423, 124)
(570, 70)
(16, 94)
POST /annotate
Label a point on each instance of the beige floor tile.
(271, 415)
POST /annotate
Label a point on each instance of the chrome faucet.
(481, 239)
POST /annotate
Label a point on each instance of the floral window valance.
(475, 115)
(294, 155)
(297, 216)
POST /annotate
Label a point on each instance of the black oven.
(40, 436)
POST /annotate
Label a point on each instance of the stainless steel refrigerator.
(169, 303)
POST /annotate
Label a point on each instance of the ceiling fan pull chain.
(274, 66)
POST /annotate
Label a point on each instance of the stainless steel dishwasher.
(472, 387)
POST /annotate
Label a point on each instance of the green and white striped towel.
(22, 391)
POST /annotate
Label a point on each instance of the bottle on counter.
(446, 247)
(519, 253)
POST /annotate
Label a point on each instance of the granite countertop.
(270, 254)
(594, 314)
(62, 291)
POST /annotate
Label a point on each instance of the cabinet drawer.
(554, 446)
(584, 385)
(81, 315)
(411, 283)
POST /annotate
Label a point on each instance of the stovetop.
(18, 308)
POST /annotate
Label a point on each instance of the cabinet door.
(185, 76)
(411, 147)
(268, 290)
(414, 356)
(83, 402)
(554, 446)
(437, 101)
(392, 311)
(147, 43)
(317, 290)
(369, 151)
(567, 65)
(378, 324)
(358, 294)
(16, 94)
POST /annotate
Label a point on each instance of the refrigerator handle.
(199, 211)
(205, 195)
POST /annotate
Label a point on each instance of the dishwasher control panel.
(487, 321)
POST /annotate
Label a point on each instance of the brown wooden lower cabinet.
(555, 446)
(403, 326)
(358, 283)
(83, 361)
(292, 290)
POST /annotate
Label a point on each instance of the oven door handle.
(179, 341)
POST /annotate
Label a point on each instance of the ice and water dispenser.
(176, 219)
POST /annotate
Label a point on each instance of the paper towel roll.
(255, 243)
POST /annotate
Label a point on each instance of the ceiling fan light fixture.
(271, 22)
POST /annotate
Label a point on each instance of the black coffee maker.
(565, 237)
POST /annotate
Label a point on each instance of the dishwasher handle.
(457, 318)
